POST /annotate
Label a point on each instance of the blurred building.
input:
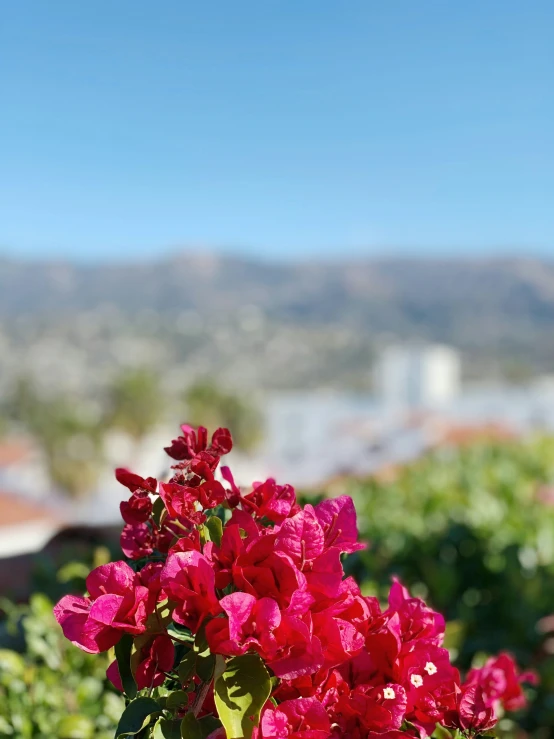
(24, 525)
(418, 375)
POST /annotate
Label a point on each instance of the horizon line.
(331, 256)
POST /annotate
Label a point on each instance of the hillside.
(291, 323)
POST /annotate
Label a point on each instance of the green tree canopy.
(209, 405)
(135, 402)
(68, 434)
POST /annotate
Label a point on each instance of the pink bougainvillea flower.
(137, 541)
(324, 574)
(271, 501)
(189, 581)
(340, 640)
(192, 442)
(222, 443)
(264, 572)
(423, 669)
(188, 444)
(180, 501)
(500, 681)
(285, 641)
(210, 494)
(353, 606)
(184, 501)
(118, 603)
(340, 622)
(171, 532)
(137, 509)
(156, 658)
(337, 517)
(378, 709)
(299, 649)
(119, 598)
(473, 714)
(435, 706)
(250, 624)
(303, 718)
(324, 684)
(187, 542)
(417, 620)
(224, 556)
(135, 482)
(383, 643)
(150, 578)
(301, 537)
(234, 494)
(73, 615)
(249, 529)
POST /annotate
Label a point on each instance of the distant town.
(319, 369)
(306, 437)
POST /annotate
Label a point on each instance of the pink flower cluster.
(272, 582)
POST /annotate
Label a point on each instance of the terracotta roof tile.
(15, 510)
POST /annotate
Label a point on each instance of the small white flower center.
(430, 668)
(389, 694)
(416, 680)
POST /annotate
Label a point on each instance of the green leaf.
(200, 642)
(441, 733)
(12, 663)
(164, 610)
(190, 727)
(157, 509)
(220, 666)
(162, 616)
(176, 699)
(215, 529)
(240, 693)
(75, 727)
(73, 570)
(136, 716)
(187, 667)
(208, 725)
(123, 650)
(205, 665)
(140, 641)
(170, 728)
(176, 631)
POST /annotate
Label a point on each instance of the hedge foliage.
(51, 690)
(472, 530)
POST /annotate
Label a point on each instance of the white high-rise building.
(418, 375)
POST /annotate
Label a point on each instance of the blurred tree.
(21, 402)
(68, 434)
(135, 403)
(518, 371)
(71, 442)
(208, 405)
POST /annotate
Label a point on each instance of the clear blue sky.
(296, 127)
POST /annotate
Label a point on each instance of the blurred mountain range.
(255, 323)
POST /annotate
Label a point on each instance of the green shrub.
(466, 529)
(52, 690)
